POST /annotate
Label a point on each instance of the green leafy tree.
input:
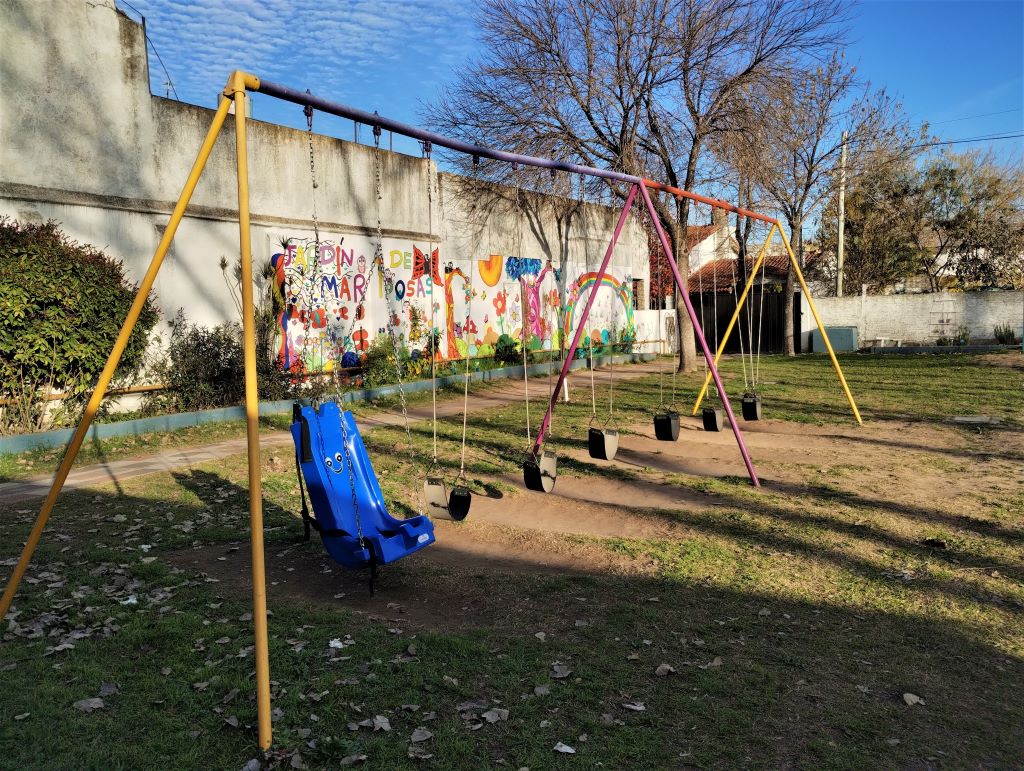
(61, 307)
(880, 244)
(967, 216)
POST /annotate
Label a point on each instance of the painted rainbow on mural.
(584, 283)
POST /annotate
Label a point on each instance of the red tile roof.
(697, 233)
(720, 275)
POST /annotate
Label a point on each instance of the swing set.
(350, 511)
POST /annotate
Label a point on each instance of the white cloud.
(336, 49)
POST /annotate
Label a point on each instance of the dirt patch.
(1011, 359)
(485, 572)
(475, 575)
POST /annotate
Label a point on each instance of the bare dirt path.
(506, 392)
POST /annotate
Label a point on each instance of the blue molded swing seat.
(322, 460)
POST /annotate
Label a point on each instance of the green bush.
(379, 363)
(1005, 334)
(61, 306)
(202, 368)
(506, 351)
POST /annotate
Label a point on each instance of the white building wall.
(82, 141)
(919, 318)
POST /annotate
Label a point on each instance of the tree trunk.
(790, 310)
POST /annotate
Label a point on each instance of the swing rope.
(590, 329)
(465, 382)
(714, 320)
(523, 304)
(760, 320)
(736, 298)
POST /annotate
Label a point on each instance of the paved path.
(505, 392)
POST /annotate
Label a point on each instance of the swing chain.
(389, 285)
(432, 339)
(308, 111)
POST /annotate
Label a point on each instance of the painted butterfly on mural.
(419, 266)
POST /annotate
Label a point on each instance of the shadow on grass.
(798, 683)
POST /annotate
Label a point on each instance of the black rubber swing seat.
(751, 406)
(441, 505)
(666, 426)
(602, 443)
(541, 473)
(714, 419)
(459, 501)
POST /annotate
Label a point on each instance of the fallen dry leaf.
(636, 706)
(560, 671)
(88, 705)
(495, 714)
(421, 735)
(912, 699)
(564, 748)
(664, 669)
(419, 752)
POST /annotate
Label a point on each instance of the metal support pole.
(841, 245)
(581, 325)
(821, 328)
(114, 358)
(700, 336)
(735, 316)
(236, 88)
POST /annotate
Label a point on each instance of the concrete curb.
(176, 422)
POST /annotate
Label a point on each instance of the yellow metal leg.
(259, 579)
(112, 361)
(735, 316)
(821, 328)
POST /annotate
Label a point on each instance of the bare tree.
(638, 86)
(798, 139)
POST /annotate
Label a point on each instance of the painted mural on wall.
(336, 302)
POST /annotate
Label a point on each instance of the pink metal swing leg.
(581, 325)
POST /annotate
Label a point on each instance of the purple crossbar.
(582, 322)
(700, 337)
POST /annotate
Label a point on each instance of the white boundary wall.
(919, 318)
(83, 141)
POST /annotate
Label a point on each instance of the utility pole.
(842, 218)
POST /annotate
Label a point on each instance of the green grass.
(795, 617)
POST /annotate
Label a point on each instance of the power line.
(989, 138)
(971, 117)
(152, 45)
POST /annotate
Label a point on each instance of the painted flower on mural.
(500, 303)
(552, 298)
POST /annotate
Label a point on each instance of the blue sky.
(958, 65)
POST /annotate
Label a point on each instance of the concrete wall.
(83, 141)
(920, 318)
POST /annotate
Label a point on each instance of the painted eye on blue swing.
(338, 458)
(329, 463)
